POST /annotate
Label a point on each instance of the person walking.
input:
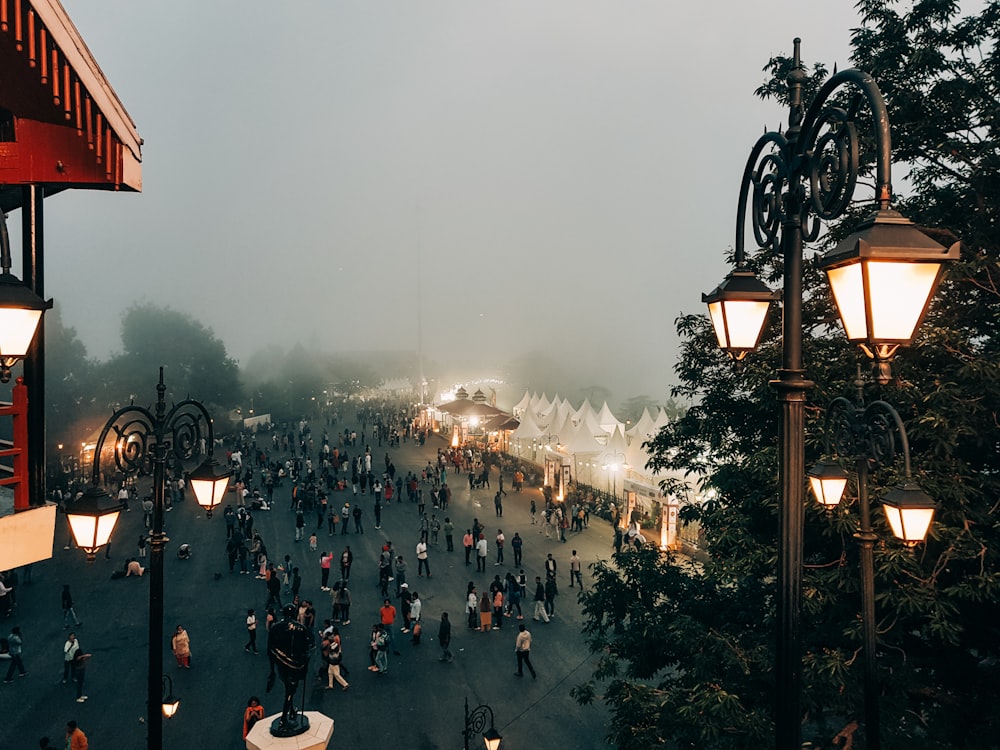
(324, 569)
(522, 650)
(15, 643)
(75, 738)
(468, 543)
(142, 545)
(472, 607)
(67, 606)
(70, 649)
(147, 511)
(180, 643)
(422, 563)
(251, 622)
(551, 591)
(383, 636)
(516, 544)
(449, 534)
(550, 566)
(333, 659)
(273, 584)
(341, 604)
(300, 525)
(481, 553)
(485, 613)
(400, 573)
(346, 558)
(575, 570)
(79, 670)
(540, 613)
(444, 638)
(387, 618)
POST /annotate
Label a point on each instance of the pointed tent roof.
(542, 407)
(522, 405)
(617, 442)
(593, 427)
(641, 428)
(562, 428)
(583, 411)
(561, 412)
(662, 420)
(606, 419)
(581, 440)
(527, 429)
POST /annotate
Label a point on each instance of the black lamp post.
(866, 436)
(799, 178)
(143, 438)
(476, 723)
(612, 463)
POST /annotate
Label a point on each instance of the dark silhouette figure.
(288, 646)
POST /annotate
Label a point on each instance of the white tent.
(521, 406)
(607, 420)
(641, 428)
(584, 411)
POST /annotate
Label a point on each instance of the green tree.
(707, 682)
(69, 380)
(196, 361)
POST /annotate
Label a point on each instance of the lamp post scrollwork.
(882, 277)
(151, 441)
(869, 437)
(479, 721)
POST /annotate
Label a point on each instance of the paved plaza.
(417, 704)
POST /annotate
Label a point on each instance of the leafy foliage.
(196, 361)
(706, 680)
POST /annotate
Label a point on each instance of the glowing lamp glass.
(828, 482)
(209, 482)
(882, 301)
(17, 329)
(909, 512)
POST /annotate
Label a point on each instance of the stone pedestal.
(317, 737)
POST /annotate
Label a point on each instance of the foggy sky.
(527, 175)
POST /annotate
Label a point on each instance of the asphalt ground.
(417, 704)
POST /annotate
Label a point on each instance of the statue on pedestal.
(288, 646)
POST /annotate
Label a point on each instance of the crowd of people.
(327, 485)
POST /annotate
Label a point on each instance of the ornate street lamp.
(476, 723)
(738, 308)
(20, 310)
(909, 511)
(867, 436)
(883, 278)
(144, 438)
(92, 519)
(170, 702)
(800, 178)
(209, 483)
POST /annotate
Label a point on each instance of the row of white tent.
(594, 440)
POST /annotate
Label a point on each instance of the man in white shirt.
(123, 497)
(522, 649)
(422, 563)
(481, 552)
